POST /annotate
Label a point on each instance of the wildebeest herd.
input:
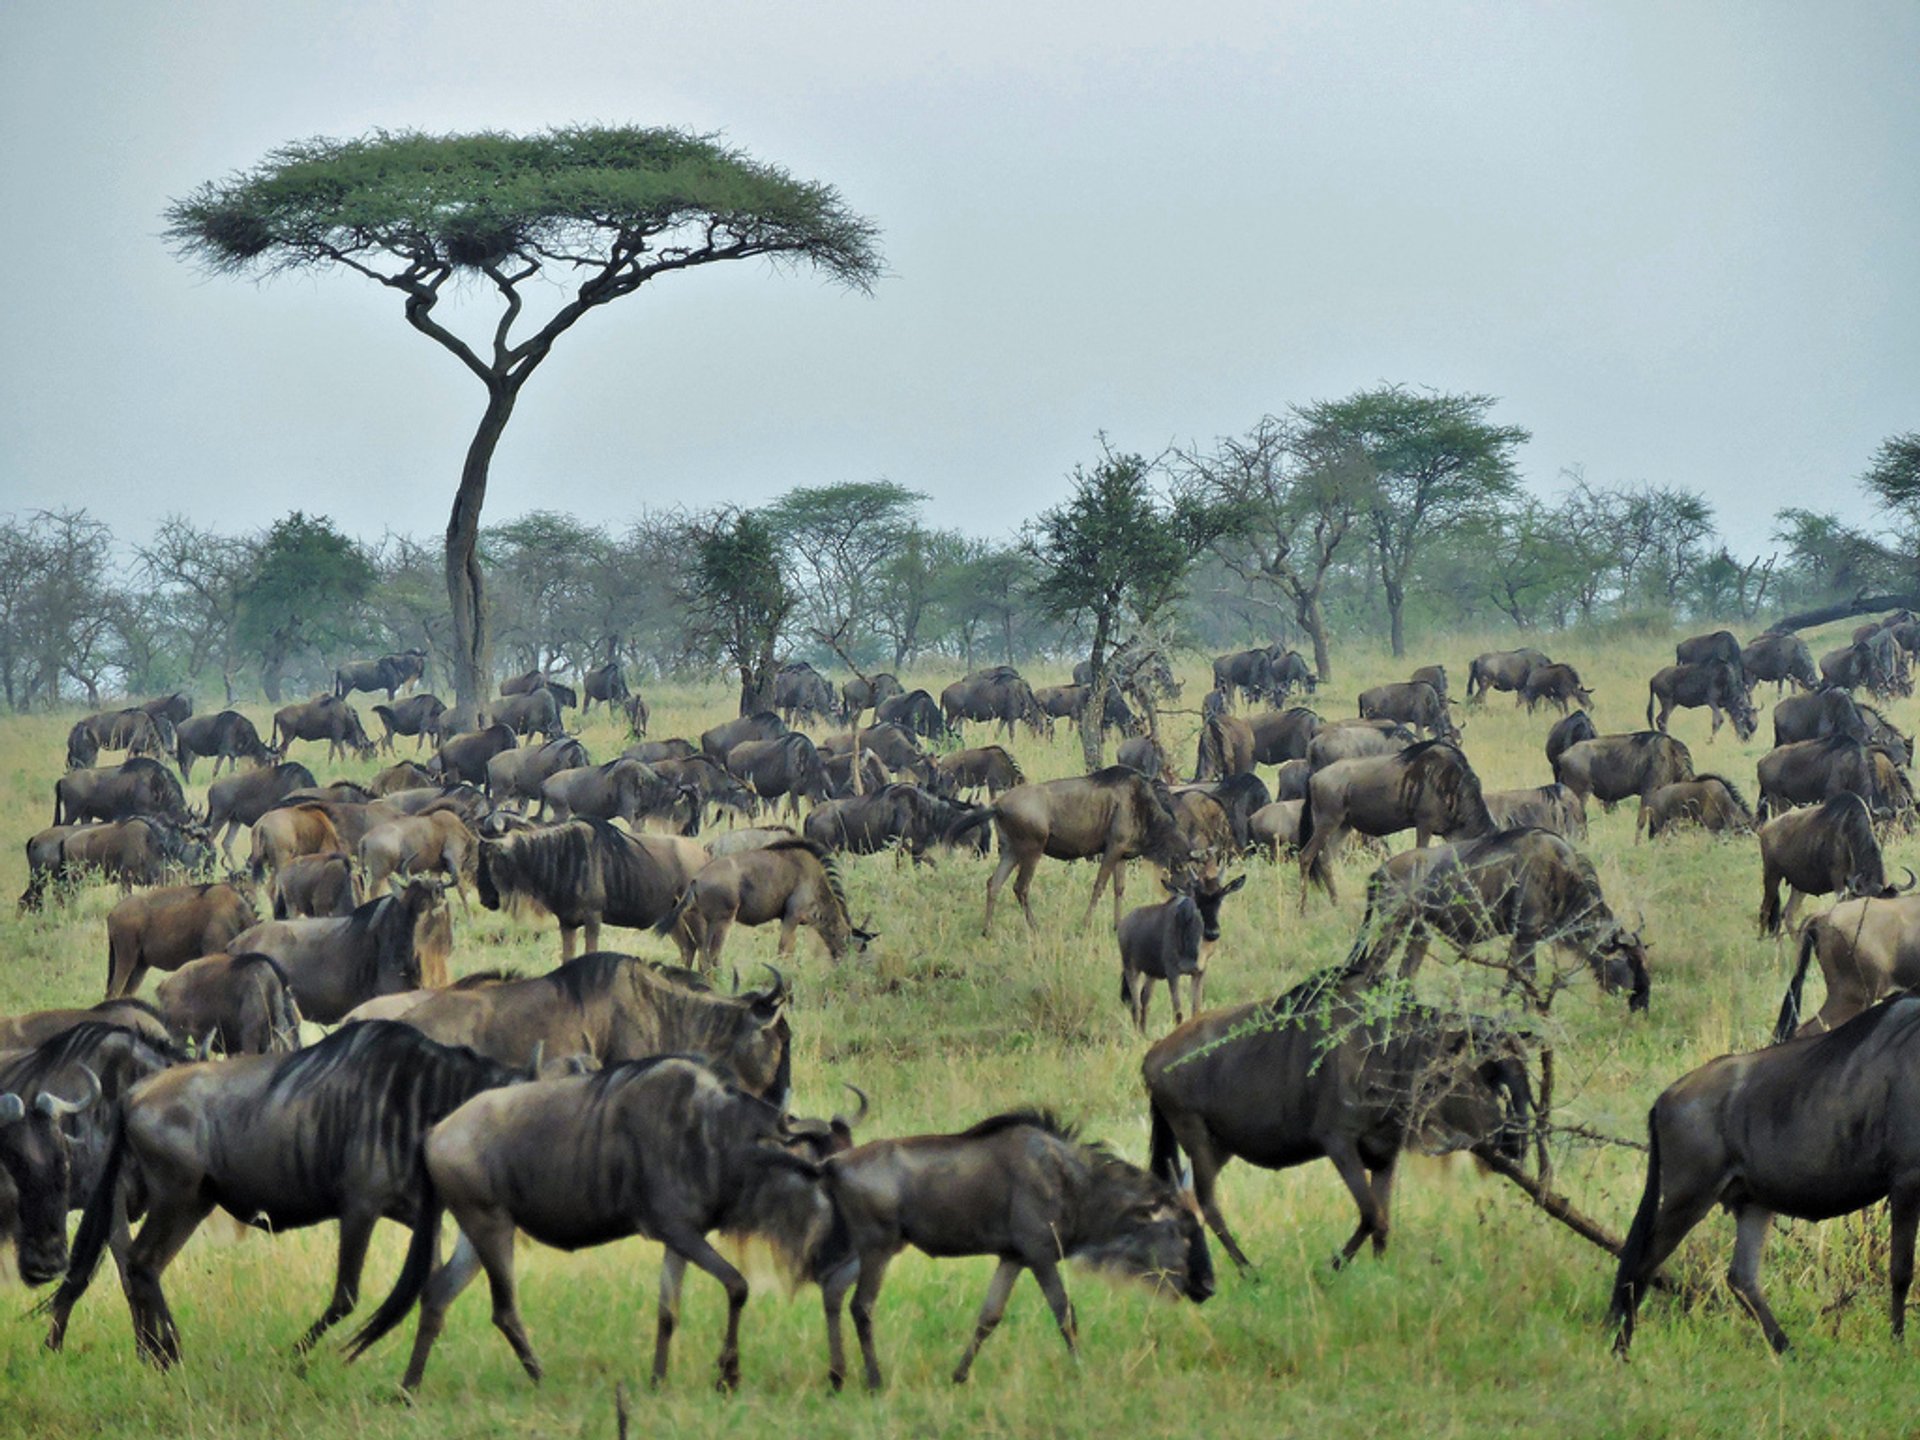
(326, 1064)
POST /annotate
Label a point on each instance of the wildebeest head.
(1141, 1227)
(37, 1160)
(817, 1139)
(1620, 963)
(1206, 892)
(1474, 1093)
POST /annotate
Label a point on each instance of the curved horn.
(1912, 880)
(52, 1105)
(781, 989)
(535, 1060)
(859, 1118)
(12, 1109)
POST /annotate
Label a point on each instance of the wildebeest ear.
(1172, 889)
(12, 1109)
(1234, 884)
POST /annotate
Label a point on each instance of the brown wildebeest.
(998, 695)
(1144, 753)
(136, 731)
(1204, 827)
(989, 767)
(405, 775)
(332, 1132)
(652, 752)
(1715, 685)
(523, 684)
(619, 790)
(1434, 675)
(894, 746)
(1863, 664)
(1247, 672)
(1820, 851)
(436, 843)
(1240, 797)
(237, 1004)
(326, 717)
(899, 817)
(789, 766)
(587, 873)
(238, 800)
(178, 706)
(418, 716)
(868, 693)
(1556, 685)
(465, 757)
(1325, 1070)
(604, 683)
(535, 711)
(1813, 1128)
(1543, 807)
(1169, 941)
(843, 781)
(146, 850)
(1501, 670)
(394, 942)
(1817, 714)
(1116, 814)
(1428, 788)
(1357, 740)
(310, 886)
(1530, 886)
(761, 725)
(1414, 703)
(916, 710)
(1225, 748)
(36, 1027)
(709, 781)
(1807, 772)
(1779, 658)
(1291, 778)
(793, 881)
(289, 831)
(163, 929)
(517, 775)
(1868, 948)
(396, 1006)
(1275, 828)
(1709, 801)
(1612, 768)
(1020, 1186)
(390, 673)
(226, 736)
(664, 1148)
(139, 786)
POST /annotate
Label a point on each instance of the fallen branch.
(1561, 1209)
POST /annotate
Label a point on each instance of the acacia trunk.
(1093, 713)
(1313, 620)
(466, 586)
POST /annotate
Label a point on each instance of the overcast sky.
(1677, 240)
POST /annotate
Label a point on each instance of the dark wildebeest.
(1882, 735)
(1225, 747)
(1275, 828)
(390, 673)
(793, 881)
(227, 735)
(235, 1004)
(163, 929)
(845, 779)
(179, 705)
(465, 757)
(1290, 669)
(998, 695)
(761, 725)
(1116, 814)
(1291, 778)
(536, 711)
(1241, 797)
(899, 817)
(1020, 1186)
(1428, 788)
(1248, 673)
(1779, 658)
(332, 1132)
(803, 695)
(1709, 801)
(1872, 664)
(1326, 1070)
(1807, 772)
(1827, 849)
(1143, 753)
(1543, 807)
(1283, 735)
(1171, 940)
(588, 873)
(709, 781)
(310, 886)
(1357, 740)
(418, 716)
(1203, 826)
(1567, 733)
(51, 1100)
(1817, 714)
(139, 786)
(894, 746)
(991, 767)
(916, 710)
(327, 718)
(136, 731)
(517, 775)
(1530, 886)
(36, 1027)
(524, 684)
(1612, 768)
(869, 693)
(241, 799)
(639, 714)
(1721, 645)
(1501, 670)
(1713, 684)
(1434, 675)
(1411, 702)
(664, 1148)
(1556, 685)
(652, 752)
(146, 850)
(619, 790)
(604, 683)
(1812, 1129)
(789, 766)
(394, 942)
(1867, 948)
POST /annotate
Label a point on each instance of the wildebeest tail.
(96, 1225)
(668, 922)
(1649, 705)
(1790, 1007)
(970, 821)
(1633, 1252)
(414, 1270)
(1163, 1155)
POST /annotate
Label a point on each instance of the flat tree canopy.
(602, 210)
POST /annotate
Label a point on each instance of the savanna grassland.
(1486, 1317)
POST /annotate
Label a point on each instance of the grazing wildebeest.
(998, 695)
(1827, 849)
(235, 1004)
(1249, 673)
(652, 752)
(136, 731)
(588, 873)
(146, 850)
(989, 767)
(1713, 684)
(1556, 685)
(1225, 748)
(900, 817)
(1020, 1186)
(803, 695)
(1501, 670)
(535, 711)
(1116, 814)
(1283, 735)
(1275, 828)
(1411, 702)
(1722, 646)
(1874, 664)
(1543, 807)
(1612, 768)
(178, 706)
(1241, 797)
(390, 673)
(619, 790)
(288, 831)
(403, 775)
(604, 683)
(1291, 778)
(1812, 1129)
(1428, 788)
(163, 929)
(894, 746)
(36, 1027)
(465, 757)
(326, 717)
(761, 725)
(1143, 753)
(1817, 714)
(789, 766)
(664, 1148)
(1357, 739)
(332, 1132)
(393, 942)
(315, 885)
(1807, 772)
(517, 775)
(916, 710)
(793, 881)
(846, 779)
(1203, 825)
(1434, 675)
(1290, 669)
(1868, 948)
(1530, 886)
(1170, 940)
(418, 716)
(1779, 658)
(225, 736)
(1326, 1070)
(1567, 733)
(710, 782)
(438, 842)
(139, 786)
(867, 693)
(1882, 735)
(1709, 801)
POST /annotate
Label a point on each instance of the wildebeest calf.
(1171, 940)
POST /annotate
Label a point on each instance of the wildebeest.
(894, 746)
(1867, 947)
(1434, 675)
(845, 779)
(1567, 733)
(1807, 772)
(1820, 851)
(403, 775)
(802, 694)
(989, 767)
(1428, 788)
(47, 1145)
(1327, 1071)
(1291, 778)
(466, 757)
(535, 711)
(998, 695)
(517, 775)
(163, 929)
(36, 1027)
(393, 942)
(418, 716)
(1283, 735)
(588, 873)
(1204, 826)
(1144, 753)
(1247, 672)
(652, 752)
(1709, 801)
(761, 725)
(1556, 685)
(1612, 768)
(288, 831)
(1713, 684)
(1411, 702)
(793, 881)
(326, 717)
(226, 736)
(704, 778)
(1877, 664)
(315, 885)
(869, 693)
(663, 1148)
(1779, 658)
(241, 799)
(604, 683)
(619, 790)
(146, 850)
(139, 786)
(390, 673)
(1542, 807)
(1721, 646)
(332, 1132)
(1501, 670)
(236, 1004)
(1169, 941)
(1225, 747)
(1813, 1128)
(1241, 797)
(1357, 739)
(1275, 828)
(435, 843)
(1817, 714)
(789, 766)
(1530, 886)
(916, 710)
(1020, 1186)
(136, 731)
(178, 706)
(899, 816)
(1116, 814)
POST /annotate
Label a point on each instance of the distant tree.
(1827, 558)
(598, 211)
(56, 605)
(1893, 480)
(199, 573)
(301, 602)
(550, 571)
(839, 541)
(737, 598)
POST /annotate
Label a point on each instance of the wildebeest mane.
(1039, 1119)
(29, 1072)
(1739, 800)
(1438, 768)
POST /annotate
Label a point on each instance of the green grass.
(1485, 1317)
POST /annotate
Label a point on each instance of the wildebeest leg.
(60, 1305)
(1373, 1220)
(833, 1293)
(1414, 957)
(1193, 1139)
(1055, 1289)
(716, 936)
(1904, 1205)
(492, 1235)
(789, 927)
(873, 1270)
(170, 1223)
(1022, 887)
(356, 1229)
(1794, 897)
(1714, 733)
(999, 1289)
(1383, 1202)
(673, 1270)
(569, 941)
(1744, 1274)
(443, 1288)
(694, 1247)
(1007, 862)
(1109, 870)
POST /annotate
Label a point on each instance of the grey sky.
(1677, 240)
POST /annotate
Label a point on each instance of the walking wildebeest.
(998, 695)
(327, 718)
(1779, 658)
(867, 693)
(1170, 940)
(465, 757)
(761, 725)
(1116, 814)
(390, 673)
(1867, 948)
(1428, 788)
(663, 1148)
(1721, 646)
(236, 1004)
(517, 775)
(1020, 1186)
(332, 1132)
(1709, 801)
(587, 873)
(1555, 685)
(418, 716)
(1812, 1128)
(1543, 807)
(1612, 768)
(802, 694)
(1819, 851)
(288, 831)
(534, 711)
(140, 786)
(241, 799)
(146, 850)
(226, 735)
(1713, 684)
(163, 929)
(1413, 703)
(989, 767)
(793, 881)
(309, 886)
(789, 766)
(1501, 670)
(136, 731)
(1807, 772)
(393, 942)
(604, 683)
(1326, 1070)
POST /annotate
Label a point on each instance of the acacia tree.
(601, 211)
(1893, 480)
(737, 599)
